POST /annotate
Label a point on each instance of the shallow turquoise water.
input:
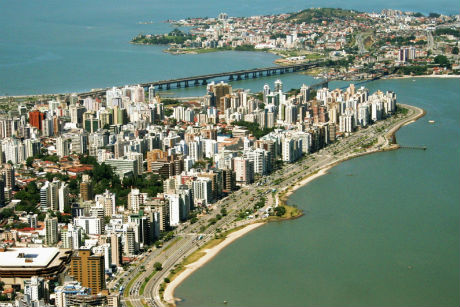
(379, 230)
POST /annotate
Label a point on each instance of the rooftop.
(28, 257)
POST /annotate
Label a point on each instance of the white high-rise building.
(136, 199)
(62, 147)
(90, 224)
(174, 209)
(63, 196)
(202, 190)
(195, 149)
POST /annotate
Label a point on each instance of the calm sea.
(381, 230)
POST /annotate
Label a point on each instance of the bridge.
(232, 75)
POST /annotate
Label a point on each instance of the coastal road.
(378, 135)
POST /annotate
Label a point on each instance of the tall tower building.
(51, 230)
(62, 147)
(86, 188)
(88, 270)
(117, 250)
(9, 176)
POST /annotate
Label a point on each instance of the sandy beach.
(305, 181)
(210, 253)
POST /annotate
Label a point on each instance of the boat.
(431, 121)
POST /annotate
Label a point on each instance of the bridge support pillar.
(238, 77)
(197, 82)
(268, 73)
(230, 78)
(160, 86)
(168, 86)
(246, 75)
(281, 71)
(254, 75)
(178, 84)
(186, 83)
(204, 82)
(260, 73)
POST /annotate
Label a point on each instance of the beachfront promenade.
(285, 181)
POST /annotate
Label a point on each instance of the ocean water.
(379, 230)
(55, 46)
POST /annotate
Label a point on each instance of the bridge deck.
(274, 69)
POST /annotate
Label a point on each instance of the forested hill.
(322, 14)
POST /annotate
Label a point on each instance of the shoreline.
(168, 294)
(395, 77)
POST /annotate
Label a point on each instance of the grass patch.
(193, 257)
(144, 284)
(172, 243)
(126, 292)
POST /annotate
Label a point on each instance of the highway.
(174, 253)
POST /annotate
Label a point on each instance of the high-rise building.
(9, 175)
(86, 188)
(62, 147)
(107, 201)
(130, 246)
(51, 230)
(220, 90)
(244, 170)
(37, 289)
(136, 199)
(63, 196)
(124, 167)
(88, 270)
(116, 249)
(35, 119)
(80, 143)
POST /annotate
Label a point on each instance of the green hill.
(322, 14)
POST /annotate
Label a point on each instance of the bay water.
(379, 230)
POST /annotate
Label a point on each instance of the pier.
(422, 147)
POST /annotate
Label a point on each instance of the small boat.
(431, 121)
(225, 302)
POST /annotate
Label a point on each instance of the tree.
(455, 50)
(434, 15)
(280, 211)
(157, 266)
(29, 161)
(442, 60)
(6, 213)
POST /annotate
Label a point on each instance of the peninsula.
(358, 45)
